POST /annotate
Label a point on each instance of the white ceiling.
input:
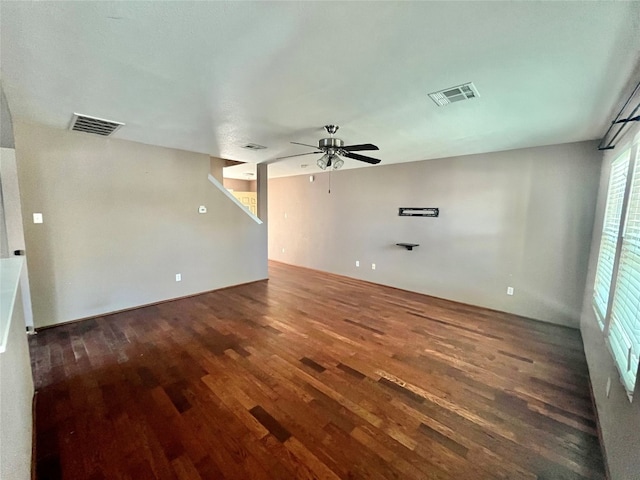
(212, 76)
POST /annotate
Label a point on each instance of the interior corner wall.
(121, 220)
(619, 419)
(520, 218)
(6, 123)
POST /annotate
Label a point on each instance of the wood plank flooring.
(313, 376)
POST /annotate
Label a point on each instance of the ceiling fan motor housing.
(327, 143)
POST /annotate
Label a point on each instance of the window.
(616, 298)
(610, 234)
(624, 328)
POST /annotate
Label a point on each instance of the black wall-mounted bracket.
(408, 246)
(625, 120)
(608, 143)
(418, 212)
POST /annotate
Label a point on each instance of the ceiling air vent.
(444, 97)
(254, 146)
(99, 126)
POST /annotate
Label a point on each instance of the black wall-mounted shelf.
(418, 212)
(408, 246)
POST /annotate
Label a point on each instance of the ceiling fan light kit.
(333, 148)
(329, 160)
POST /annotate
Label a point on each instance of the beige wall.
(216, 168)
(241, 185)
(519, 218)
(120, 220)
(619, 419)
(16, 394)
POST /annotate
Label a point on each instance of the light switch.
(202, 209)
(37, 218)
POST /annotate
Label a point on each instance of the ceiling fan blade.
(362, 158)
(356, 148)
(297, 155)
(305, 144)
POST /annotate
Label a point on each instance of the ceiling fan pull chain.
(329, 182)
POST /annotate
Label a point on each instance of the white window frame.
(605, 322)
(602, 312)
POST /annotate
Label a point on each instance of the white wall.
(120, 220)
(619, 419)
(12, 217)
(520, 218)
(16, 391)
(16, 382)
(4, 242)
(6, 141)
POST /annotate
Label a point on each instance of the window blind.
(610, 233)
(624, 327)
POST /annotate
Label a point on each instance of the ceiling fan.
(333, 147)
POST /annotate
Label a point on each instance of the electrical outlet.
(178, 277)
(37, 218)
(285, 215)
(509, 290)
(282, 249)
(357, 263)
(373, 266)
(608, 389)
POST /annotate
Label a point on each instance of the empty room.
(319, 240)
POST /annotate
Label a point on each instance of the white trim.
(213, 180)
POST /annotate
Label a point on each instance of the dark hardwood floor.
(311, 375)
